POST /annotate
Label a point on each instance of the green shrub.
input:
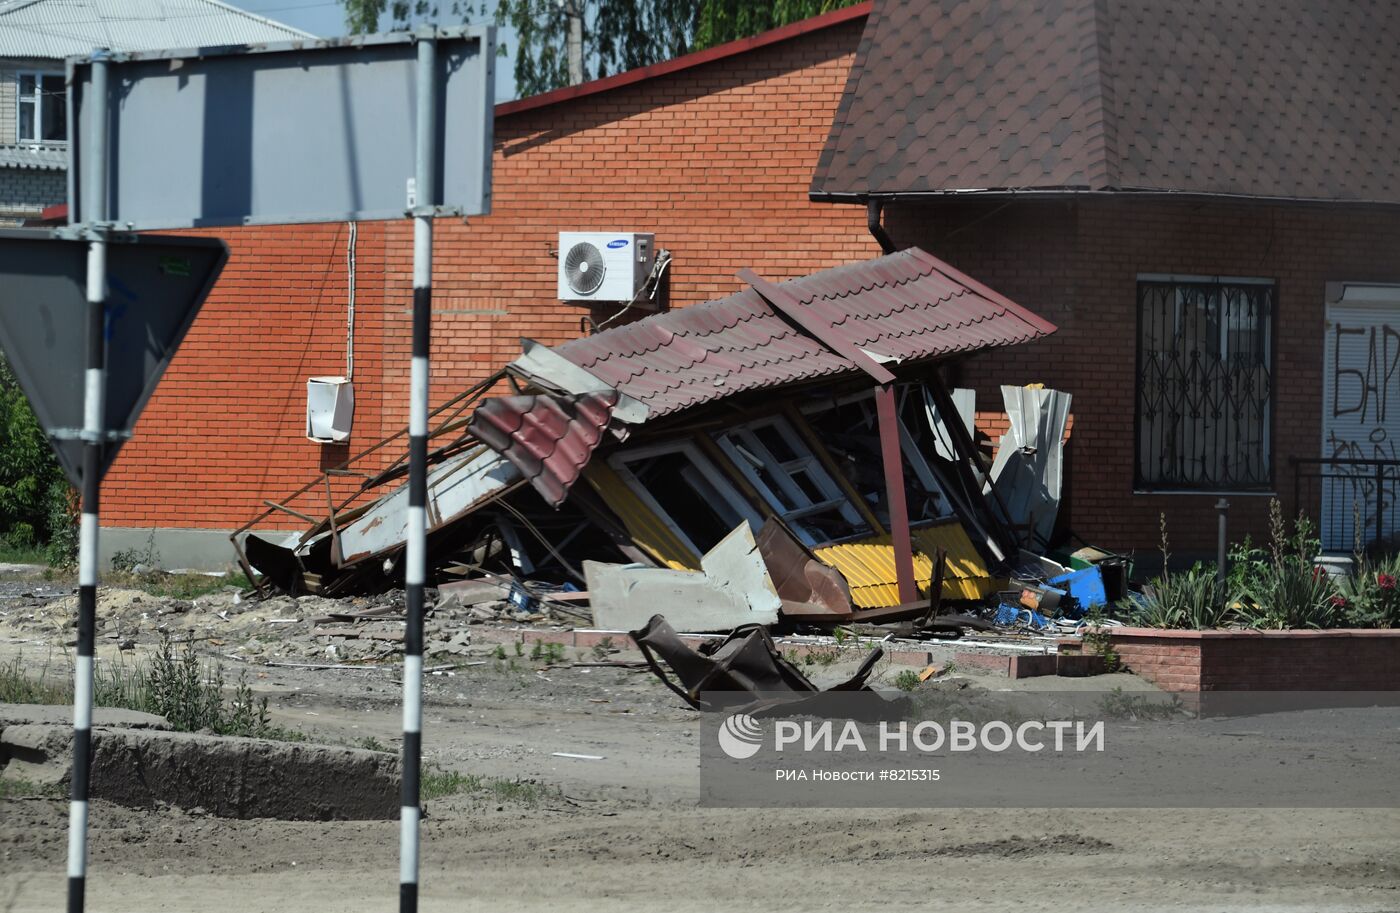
(63, 509)
(27, 467)
(1370, 597)
(1193, 599)
(1290, 591)
(175, 684)
(907, 680)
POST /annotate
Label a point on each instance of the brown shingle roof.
(905, 306)
(1272, 98)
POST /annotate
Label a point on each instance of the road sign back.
(156, 286)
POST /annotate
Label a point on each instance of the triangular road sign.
(156, 285)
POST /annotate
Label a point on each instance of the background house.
(36, 36)
(1201, 196)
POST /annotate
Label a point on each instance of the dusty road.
(626, 833)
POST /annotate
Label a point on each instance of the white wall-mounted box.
(330, 408)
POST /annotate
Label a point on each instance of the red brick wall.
(1189, 661)
(715, 160)
(1077, 264)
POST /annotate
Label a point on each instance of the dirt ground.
(627, 832)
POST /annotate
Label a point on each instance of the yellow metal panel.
(646, 529)
(868, 566)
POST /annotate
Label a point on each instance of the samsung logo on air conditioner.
(620, 242)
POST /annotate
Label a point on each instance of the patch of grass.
(177, 586)
(28, 554)
(175, 684)
(550, 654)
(1118, 705)
(437, 783)
(907, 680)
(370, 743)
(17, 788)
(18, 687)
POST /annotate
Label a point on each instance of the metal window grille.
(1204, 384)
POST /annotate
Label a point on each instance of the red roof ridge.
(686, 61)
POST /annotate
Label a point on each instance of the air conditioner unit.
(605, 267)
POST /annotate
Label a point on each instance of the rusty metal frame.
(891, 455)
(341, 513)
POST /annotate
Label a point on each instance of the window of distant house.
(1204, 383)
(42, 108)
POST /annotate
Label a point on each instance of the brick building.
(712, 152)
(1204, 205)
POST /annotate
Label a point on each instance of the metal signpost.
(373, 127)
(54, 302)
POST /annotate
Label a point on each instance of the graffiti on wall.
(1361, 421)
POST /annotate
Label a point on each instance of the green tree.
(617, 34)
(28, 469)
(726, 20)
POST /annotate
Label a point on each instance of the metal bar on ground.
(894, 493)
(415, 569)
(94, 412)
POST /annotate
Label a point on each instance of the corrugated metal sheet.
(643, 525)
(868, 566)
(1030, 461)
(456, 487)
(37, 158)
(905, 306)
(64, 28)
(548, 438)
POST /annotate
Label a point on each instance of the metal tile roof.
(1268, 98)
(905, 306)
(39, 158)
(63, 28)
(548, 438)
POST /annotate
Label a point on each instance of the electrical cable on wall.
(650, 288)
(350, 313)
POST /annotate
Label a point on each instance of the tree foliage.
(719, 21)
(28, 470)
(618, 34)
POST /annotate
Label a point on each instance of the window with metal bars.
(1204, 384)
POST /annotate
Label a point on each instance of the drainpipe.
(873, 208)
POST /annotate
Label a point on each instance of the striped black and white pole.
(415, 567)
(93, 433)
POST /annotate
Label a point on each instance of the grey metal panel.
(157, 285)
(312, 131)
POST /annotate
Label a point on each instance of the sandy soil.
(626, 833)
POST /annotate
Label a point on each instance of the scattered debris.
(731, 589)
(743, 670)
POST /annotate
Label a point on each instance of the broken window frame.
(917, 461)
(1209, 450)
(707, 470)
(791, 502)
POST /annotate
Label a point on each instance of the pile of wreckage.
(788, 456)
